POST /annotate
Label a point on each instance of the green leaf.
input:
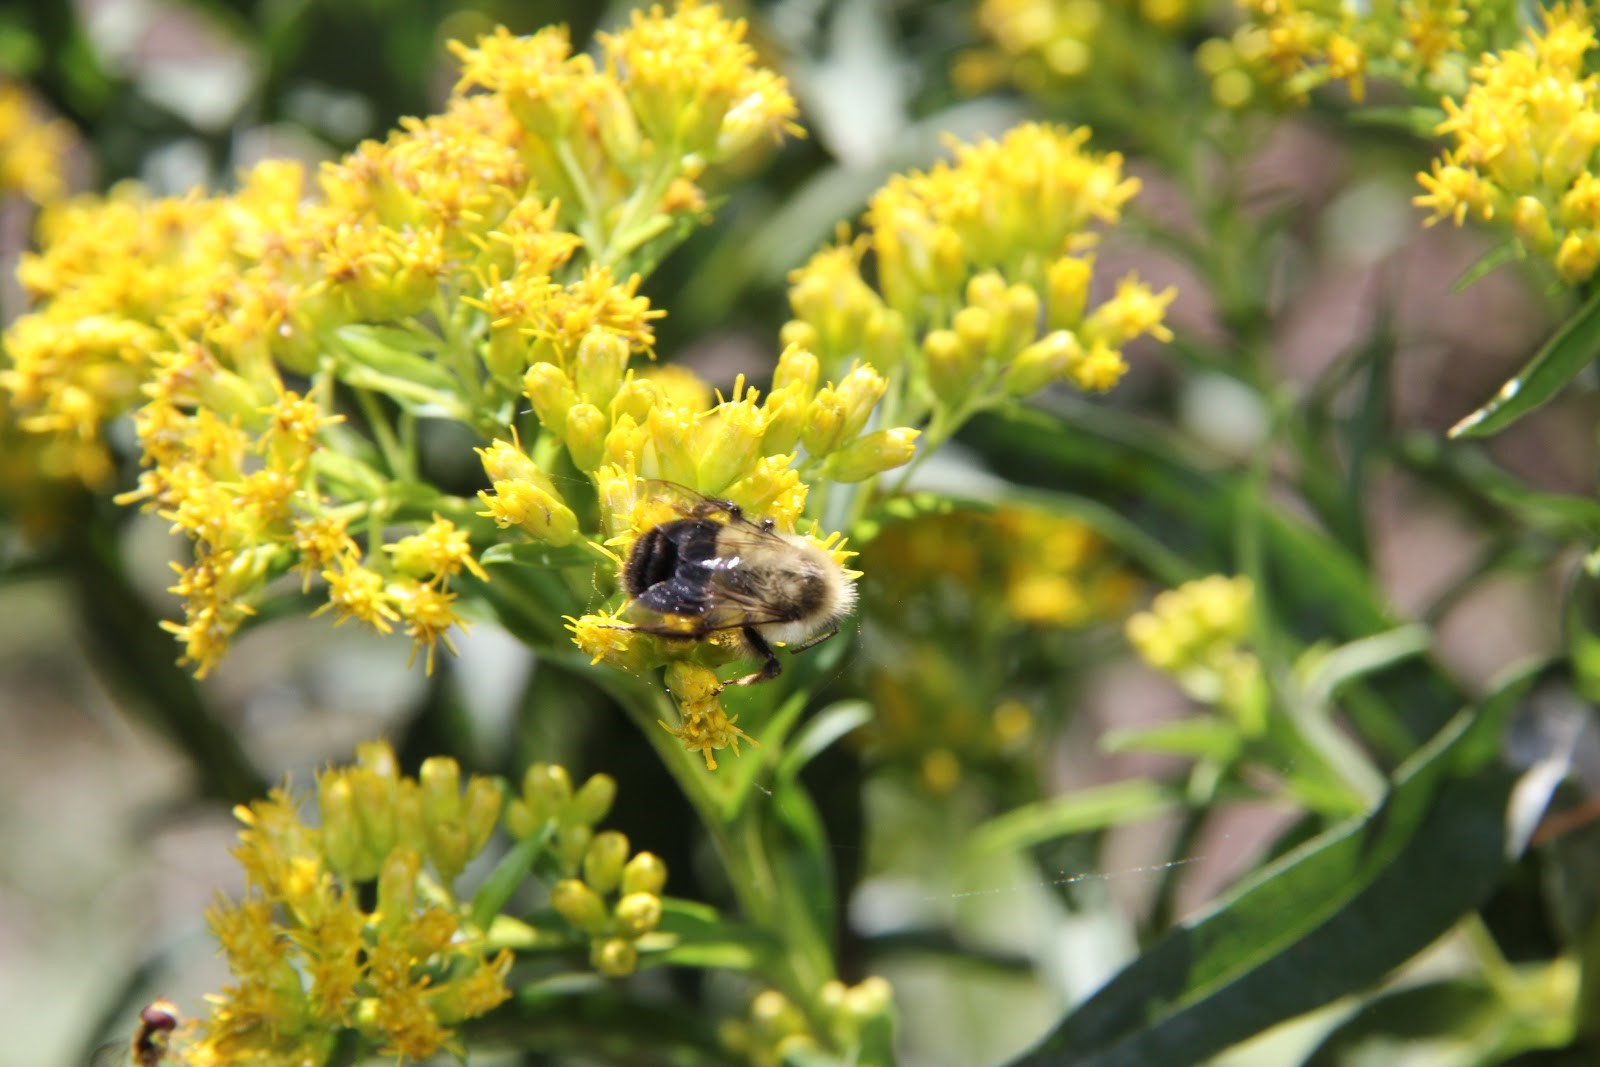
(1417, 121)
(1573, 348)
(704, 939)
(1327, 669)
(491, 898)
(1461, 1022)
(821, 730)
(1199, 737)
(1075, 813)
(536, 554)
(391, 353)
(1328, 919)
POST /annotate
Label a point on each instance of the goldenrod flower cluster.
(983, 268)
(1526, 145)
(284, 343)
(999, 583)
(313, 954)
(33, 150)
(1198, 633)
(611, 899)
(1043, 46)
(776, 1032)
(651, 458)
(1287, 48)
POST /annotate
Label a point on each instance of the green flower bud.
(341, 831)
(824, 426)
(602, 362)
(572, 842)
(786, 413)
(440, 778)
(644, 873)
(579, 905)
(449, 849)
(950, 366)
(615, 957)
(480, 810)
(587, 427)
(551, 393)
(593, 800)
(397, 886)
(798, 370)
(873, 454)
(603, 860)
(638, 913)
(1045, 361)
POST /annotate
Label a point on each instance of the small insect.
(148, 1048)
(713, 570)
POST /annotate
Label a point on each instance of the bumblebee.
(713, 570)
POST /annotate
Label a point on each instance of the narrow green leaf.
(1328, 919)
(1075, 813)
(533, 554)
(1573, 348)
(1198, 737)
(491, 898)
(821, 730)
(1326, 670)
(704, 939)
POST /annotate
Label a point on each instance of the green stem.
(395, 456)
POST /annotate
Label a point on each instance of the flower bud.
(692, 683)
(593, 799)
(1046, 360)
(638, 913)
(824, 426)
(572, 842)
(729, 442)
(1067, 291)
(579, 905)
(449, 849)
(873, 454)
(551, 393)
(397, 885)
(615, 957)
(603, 860)
(341, 833)
(950, 367)
(985, 290)
(644, 873)
(440, 778)
(480, 810)
(635, 398)
(587, 427)
(785, 410)
(504, 462)
(1531, 221)
(1017, 318)
(883, 340)
(860, 392)
(976, 328)
(798, 333)
(601, 364)
(798, 369)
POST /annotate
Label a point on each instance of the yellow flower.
(1525, 139)
(33, 150)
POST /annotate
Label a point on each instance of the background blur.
(114, 834)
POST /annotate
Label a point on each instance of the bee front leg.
(770, 668)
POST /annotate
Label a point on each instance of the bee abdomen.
(670, 559)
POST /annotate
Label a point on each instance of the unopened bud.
(860, 392)
(638, 913)
(1067, 291)
(603, 860)
(579, 905)
(551, 393)
(873, 454)
(591, 802)
(798, 369)
(601, 364)
(615, 957)
(950, 366)
(341, 834)
(587, 427)
(1046, 360)
(644, 873)
(824, 426)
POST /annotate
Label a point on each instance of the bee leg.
(770, 669)
(817, 639)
